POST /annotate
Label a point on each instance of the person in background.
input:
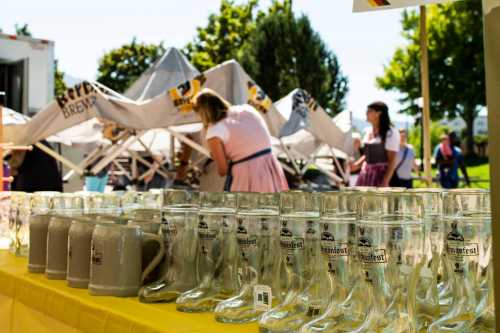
(357, 152)
(35, 171)
(448, 159)
(6, 174)
(405, 163)
(381, 145)
(240, 143)
(97, 182)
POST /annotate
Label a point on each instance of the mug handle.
(159, 256)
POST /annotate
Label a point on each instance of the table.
(31, 303)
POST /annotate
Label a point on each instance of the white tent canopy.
(335, 132)
(170, 70)
(89, 100)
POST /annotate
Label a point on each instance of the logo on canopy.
(78, 99)
(182, 94)
(258, 98)
(378, 3)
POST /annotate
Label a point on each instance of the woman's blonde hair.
(210, 106)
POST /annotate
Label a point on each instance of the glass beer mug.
(217, 254)
(467, 216)
(300, 253)
(178, 228)
(21, 227)
(257, 233)
(105, 204)
(338, 234)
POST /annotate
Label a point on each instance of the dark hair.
(384, 120)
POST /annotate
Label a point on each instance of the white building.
(458, 124)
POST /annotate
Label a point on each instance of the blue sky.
(84, 30)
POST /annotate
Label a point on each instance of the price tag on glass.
(262, 297)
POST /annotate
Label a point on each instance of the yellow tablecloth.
(29, 303)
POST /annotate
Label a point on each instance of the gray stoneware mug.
(116, 263)
(79, 252)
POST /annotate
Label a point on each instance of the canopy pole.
(172, 151)
(426, 109)
(121, 148)
(189, 142)
(60, 158)
(492, 68)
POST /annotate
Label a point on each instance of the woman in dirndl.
(240, 143)
(381, 146)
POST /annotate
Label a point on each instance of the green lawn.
(478, 174)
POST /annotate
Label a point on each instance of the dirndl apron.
(375, 166)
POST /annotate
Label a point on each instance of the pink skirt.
(261, 174)
(372, 175)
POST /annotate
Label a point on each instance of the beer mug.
(66, 208)
(467, 217)
(338, 234)
(257, 233)
(433, 283)
(15, 205)
(21, 226)
(116, 267)
(38, 228)
(129, 201)
(79, 251)
(300, 253)
(105, 203)
(217, 254)
(178, 229)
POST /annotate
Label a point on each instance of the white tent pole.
(290, 157)
(111, 91)
(146, 163)
(333, 176)
(134, 168)
(125, 172)
(311, 159)
(85, 162)
(153, 170)
(189, 142)
(172, 150)
(60, 158)
(105, 161)
(150, 153)
(337, 164)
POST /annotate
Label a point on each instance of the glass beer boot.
(178, 228)
(300, 251)
(257, 235)
(467, 217)
(217, 254)
(337, 226)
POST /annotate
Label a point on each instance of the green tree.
(22, 30)
(224, 36)
(456, 63)
(59, 85)
(415, 136)
(119, 67)
(285, 53)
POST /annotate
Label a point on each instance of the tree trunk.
(469, 116)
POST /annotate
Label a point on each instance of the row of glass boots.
(350, 261)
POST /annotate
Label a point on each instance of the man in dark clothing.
(449, 159)
(35, 171)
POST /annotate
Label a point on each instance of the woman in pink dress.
(240, 144)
